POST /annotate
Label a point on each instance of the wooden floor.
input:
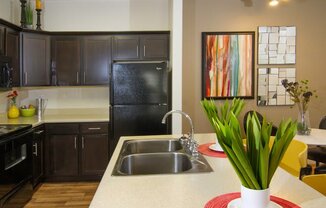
(63, 195)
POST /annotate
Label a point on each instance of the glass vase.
(303, 126)
(13, 111)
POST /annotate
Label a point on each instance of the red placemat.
(206, 151)
(222, 201)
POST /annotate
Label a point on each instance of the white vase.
(251, 198)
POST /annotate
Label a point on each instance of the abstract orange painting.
(228, 64)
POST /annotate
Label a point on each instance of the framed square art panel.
(228, 65)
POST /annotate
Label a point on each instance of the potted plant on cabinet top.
(255, 160)
(29, 15)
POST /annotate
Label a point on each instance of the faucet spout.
(188, 142)
(182, 113)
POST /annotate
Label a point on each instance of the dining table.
(316, 137)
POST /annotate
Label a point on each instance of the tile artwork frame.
(270, 91)
(276, 45)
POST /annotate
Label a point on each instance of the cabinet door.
(36, 65)
(12, 50)
(2, 40)
(38, 164)
(97, 60)
(155, 47)
(94, 154)
(126, 47)
(63, 155)
(66, 58)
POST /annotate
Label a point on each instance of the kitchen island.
(191, 190)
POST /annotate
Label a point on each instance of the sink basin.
(154, 163)
(157, 156)
(151, 146)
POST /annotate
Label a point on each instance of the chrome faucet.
(189, 143)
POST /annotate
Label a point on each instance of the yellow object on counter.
(13, 112)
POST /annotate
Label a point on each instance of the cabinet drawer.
(94, 128)
(62, 128)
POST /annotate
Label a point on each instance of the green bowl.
(27, 112)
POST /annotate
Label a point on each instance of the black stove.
(11, 129)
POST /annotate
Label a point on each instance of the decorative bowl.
(27, 112)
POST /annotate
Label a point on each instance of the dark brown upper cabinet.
(65, 60)
(141, 47)
(80, 60)
(2, 40)
(154, 47)
(96, 59)
(36, 59)
(12, 49)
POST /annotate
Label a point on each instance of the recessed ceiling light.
(273, 2)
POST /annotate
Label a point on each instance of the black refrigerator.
(139, 98)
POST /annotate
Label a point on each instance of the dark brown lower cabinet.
(93, 153)
(63, 155)
(38, 159)
(76, 152)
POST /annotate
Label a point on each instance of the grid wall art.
(276, 45)
(270, 88)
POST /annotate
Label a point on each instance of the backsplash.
(61, 97)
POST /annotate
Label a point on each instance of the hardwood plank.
(75, 195)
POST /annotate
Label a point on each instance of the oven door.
(15, 164)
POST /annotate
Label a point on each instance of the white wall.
(106, 15)
(177, 22)
(5, 12)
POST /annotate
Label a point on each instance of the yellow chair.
(295, 158)
(317, 182)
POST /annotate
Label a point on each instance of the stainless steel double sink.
(157, 156)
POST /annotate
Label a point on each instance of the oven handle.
(35, 149)
(16, 163)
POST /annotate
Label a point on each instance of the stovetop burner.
(10, 129)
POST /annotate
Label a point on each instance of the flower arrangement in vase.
(13, 111)
(256, 159)
(300, 94)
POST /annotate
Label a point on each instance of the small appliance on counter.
(15, 165)
(41, 104)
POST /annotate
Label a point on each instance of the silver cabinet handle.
(75, 142)
(77, 77)
(25, 78)
(137, 51)
(94, 128)
(84, 77)
(35, 149)
(39, 132)
(83, 143)
(144, 50)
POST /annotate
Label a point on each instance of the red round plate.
(204, 149)
(222, 201)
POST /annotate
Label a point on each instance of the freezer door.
(135, 120)
(139, 83)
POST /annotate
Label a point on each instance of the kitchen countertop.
(62, 116)
(190, 190)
